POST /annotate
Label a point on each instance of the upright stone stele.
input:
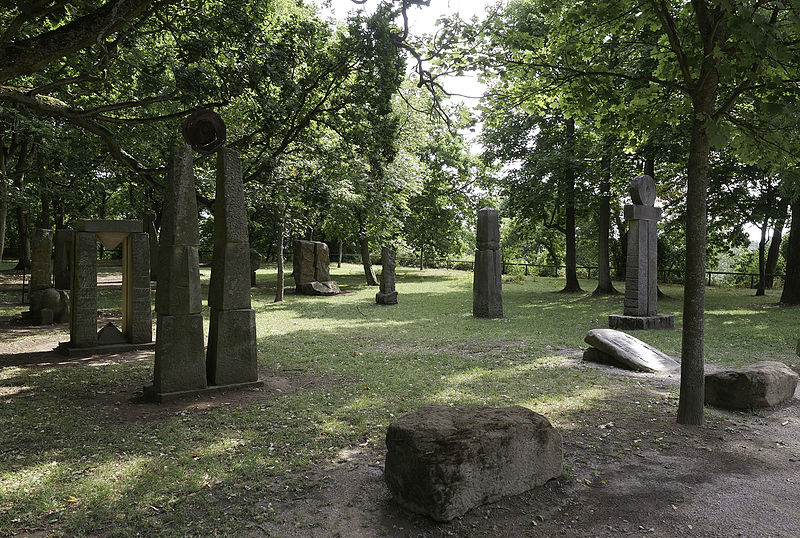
(232, 353)
(47, 304)
(180, 364)
(311, 269)
(487, 286)
(387, 294)
(62, 258)
(641, 273)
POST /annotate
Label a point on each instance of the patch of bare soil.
(637, 473)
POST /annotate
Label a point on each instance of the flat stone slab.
(634, 323)
(123, 226)
(762, 384)
(65, 348)
(630, 351)
(149, 393)
(326, 288)
(444, 461)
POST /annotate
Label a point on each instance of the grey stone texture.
(443, 461)
(232, 352)
(56, 301)
(641, 273)
(180, 363)
(387, 294)
(311, 264)
(83, 292)
(108, 226)
(149, 224)
(763, 384)
(41, 252)
(487, 285)
(62, 258)
(633, 323)
(137, 321)
(630, 351)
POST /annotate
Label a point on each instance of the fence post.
(751, 282)
(709, 278)
(526, 269)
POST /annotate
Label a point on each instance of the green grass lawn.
(77, 457)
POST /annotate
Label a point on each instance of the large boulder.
(444, 461)
(762, 384)
(56, 301)
(630, 351)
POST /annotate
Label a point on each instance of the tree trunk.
(369, 272)
(341, 252)
(571, 260)
(422, 258)
(791, 285)
(23, 228)
(604, 285)
(3, 202)
(774, 251)
(279, 259)
(692, 392)
(762, 247)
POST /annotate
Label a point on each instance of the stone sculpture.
(641, 273)
(232, 353)
(311, 269)
(763, 384)
(47, 304)
(255, 264)
(487, 287)
(137, 329)
(180, 363)
(387, 294)
(442, 461)
(618, 348)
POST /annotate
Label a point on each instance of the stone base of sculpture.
(70, 350)
(634, 323)
(386, 298)
(151, 395)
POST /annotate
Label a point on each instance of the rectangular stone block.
(138, 327)
(322, 272)
(232, 352)
(230, 209)
(642, 212)
(487, 287)
(41, 253)
(230, 277)
(488, 230)
(179, 218)
(140, 260)
(180, 362)
(83, 292)
(303, 258)
(178, 290)
(113, 226)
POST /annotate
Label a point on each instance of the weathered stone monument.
(232, 353)
(255, 264)
(181, 367)
(763, 384)
(487, 286)
(617, 348)
(387, 294)
(150, 229)
(641, 273)
(62, 259)
(136, 331)
(443, 461)
(47, 304)
(311, 269)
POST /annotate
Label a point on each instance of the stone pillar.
(137, 322)
(63, 259)
(41, 250)
(641, 272)
(179, 358)
(487, 287)
(232, 353)
(387, 294)
(152, 237)
(83, 292)
(255, 263)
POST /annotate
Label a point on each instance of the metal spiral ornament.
(204, 130)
